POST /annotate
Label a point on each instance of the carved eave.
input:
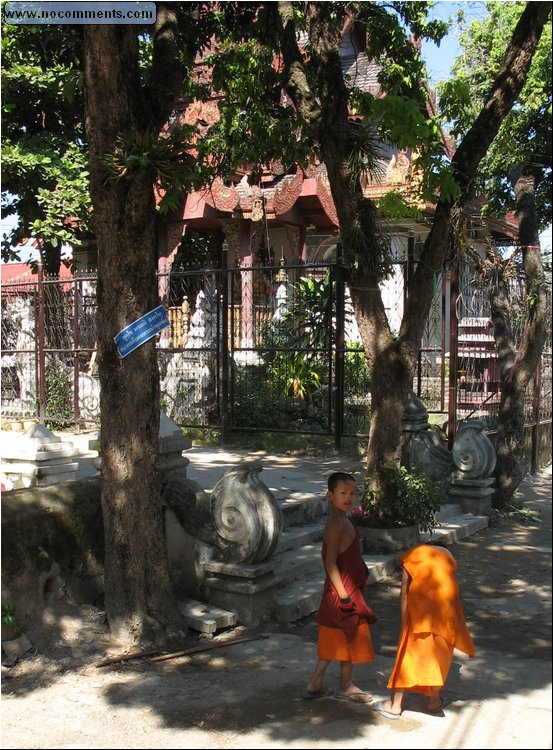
(221, 197)
(325, 197)
(196, 207)
(288, 192)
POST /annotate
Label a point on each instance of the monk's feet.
(354, 696)
(435, 707)
(385, 708)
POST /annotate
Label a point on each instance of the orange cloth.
(434, 622)
(423, 661)
(333, 645)
(353, 573)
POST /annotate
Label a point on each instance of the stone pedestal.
(171, 445)
(37, 458)
(248, 590)
(384, 541)
(473, 495)
(474, 459)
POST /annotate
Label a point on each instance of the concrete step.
(449, 510)
(204, 617)
(300, 598)
(456, 527)
(300, 508)
(293, 537)
(299, 573)
(300, 563)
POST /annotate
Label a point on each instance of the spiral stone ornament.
(473, 453)
(245, 514)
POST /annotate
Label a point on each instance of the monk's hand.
(346, 605)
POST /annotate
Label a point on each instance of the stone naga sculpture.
(241, 519)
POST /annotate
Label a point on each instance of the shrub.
(404, 497)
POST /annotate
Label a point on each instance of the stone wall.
(51, 536)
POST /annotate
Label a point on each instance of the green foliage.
(294, 444)
(44, 160)
(59, 395)
(356, 372)
(145, 156)
(401, 122)
(201, 436)
(259, 398)
(399, 497)
(393, 205)
(388, 30)
(253, 126)
(521, 512)
(299, 373)
(309, 320)
(524, 138)
(8, 614)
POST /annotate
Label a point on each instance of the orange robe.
(346, 636)
(434, 623)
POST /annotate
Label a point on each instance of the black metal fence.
(255, 348)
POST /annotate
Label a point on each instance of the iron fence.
(255, 348)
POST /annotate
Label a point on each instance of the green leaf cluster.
(524, 138)
(8, 614)
(400, 497)
(161, 160)
(44, 158)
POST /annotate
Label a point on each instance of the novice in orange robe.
(433, 624)
(343, 615)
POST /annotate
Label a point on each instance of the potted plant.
(395, 510)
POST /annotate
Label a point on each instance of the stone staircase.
(288, 587)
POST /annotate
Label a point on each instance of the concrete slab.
(204, 617)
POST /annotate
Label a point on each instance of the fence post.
(338, 275)
(225, 359)
(534, 456)
(76, 286)
(453, 344)
(41, 370)
(443, 342)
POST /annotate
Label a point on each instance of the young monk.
(433, 624)
(343, 615)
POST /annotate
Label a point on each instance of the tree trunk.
(391, 360)
(139, 599)
(517, 365)
(388, 392)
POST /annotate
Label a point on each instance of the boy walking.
(343, 615)
(433, 624)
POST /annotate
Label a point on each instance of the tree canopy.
(279, 81)
(524, 139)
(44, 154)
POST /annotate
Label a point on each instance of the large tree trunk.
(517, 364)
(140, 603)
(391, 360)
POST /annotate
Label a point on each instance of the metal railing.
(258, 348)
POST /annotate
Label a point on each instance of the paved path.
(250, 695)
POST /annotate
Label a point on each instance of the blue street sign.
(143, 329)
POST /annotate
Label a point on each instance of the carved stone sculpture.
(473, 453)
(424, 446)
(465, 472)
(241, 519)
(474, 461)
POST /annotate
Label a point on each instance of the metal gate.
(272, 348)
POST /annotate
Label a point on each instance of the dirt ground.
(505, 578)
